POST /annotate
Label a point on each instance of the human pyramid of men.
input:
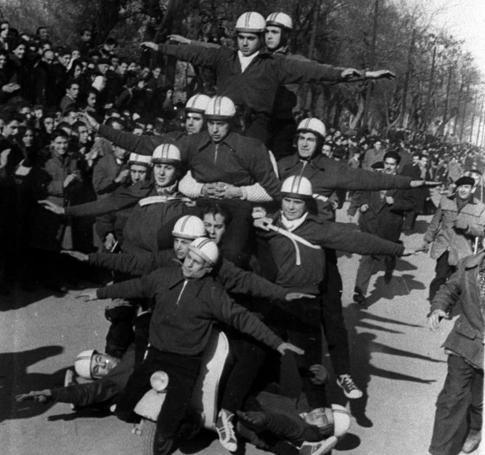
(232, 231)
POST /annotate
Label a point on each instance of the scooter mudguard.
(150, 404)
(206, 389)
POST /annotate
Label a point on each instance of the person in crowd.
(459, 408)
(70, 99)
(458, 223)
(60, 176)
(373, 155)
(381, 213)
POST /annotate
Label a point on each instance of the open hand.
(284, 347)
(150, 45)
(298, 295)
(179, 39)
(379, 74)
(76, 255)
(54, 208)
(41, 396)
(88, 295)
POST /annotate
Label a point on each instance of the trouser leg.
(452, 408)
(332, 317)
(476, 406)
(249, 356)
(442, 272)
(367, 266)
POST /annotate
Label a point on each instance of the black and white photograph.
(240, 227)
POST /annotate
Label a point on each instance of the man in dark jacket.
(188, 302)
(296, 240)
(382, 214)
(459, 407)
(251, 77)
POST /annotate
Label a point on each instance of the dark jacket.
(466, 338)
(102, 390)
(382, 219)
(308, 276)
(234, 279)
(186, 310)
(104, 172)
(256, 87)
(143, 145)
(327, 175)
(237, 159)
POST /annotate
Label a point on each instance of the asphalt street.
(395, 359)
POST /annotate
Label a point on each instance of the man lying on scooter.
(188, 301)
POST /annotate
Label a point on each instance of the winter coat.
(446, 237)
(467, 336)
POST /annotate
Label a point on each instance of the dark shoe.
(472, 441)
(387, 276)
(359, 297)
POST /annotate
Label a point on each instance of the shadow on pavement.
(15, 379)
(400, 285)
(19, 298)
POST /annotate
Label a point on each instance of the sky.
(464, 19)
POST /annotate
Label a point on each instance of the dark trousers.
(247, 357)
(182, 371)
(332, 316)
(443, 271)
(299, 323)
(460, 400)
(120, 333)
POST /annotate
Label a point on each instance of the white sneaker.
(225, 430)
(351, 391)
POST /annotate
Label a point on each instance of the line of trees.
(438, 89)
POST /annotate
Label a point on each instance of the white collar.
(293, 224)
(245, 61)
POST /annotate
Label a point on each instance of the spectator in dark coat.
(44, 85)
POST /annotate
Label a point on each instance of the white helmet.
(313, 125)
(189, 227)
(197, 103)
(82, 364)
(166, 153)
(341, 420)
(220, 108)
(143, 160)
(297, 186)
(250, 22)
(206, 249)
(280, 20)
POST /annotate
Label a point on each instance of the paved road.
(395, 358)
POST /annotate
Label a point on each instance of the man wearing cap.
(458, 221)
(103, 378)
(382, 214)
(145, 144)
(231, 168)
(188, 301)
(295, 238)
(327, 175)
(250, 76)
